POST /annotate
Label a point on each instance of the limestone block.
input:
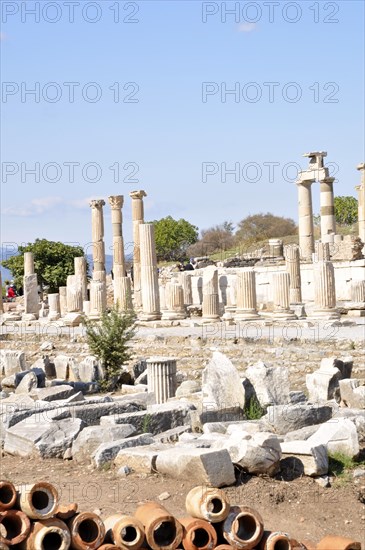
(56, 392)
(28, 383)
(313, 457)
(89, 370)
(139, 459)
(201, 466)
(271, 384)
(286, 418)
(187, 387)
(11, 362)
(352, 393)
(92, 437)
(339, 435)
(106, 452)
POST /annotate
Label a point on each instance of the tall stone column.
(62, 291)
(54, 307)
(97, 230)
(81, 274)
(324, 291)
(306, 229)
(282, 311)
(246, 296)
(149, 277)
(328, 222)
(210, 294)
(292, 262)
(116, 204)
(161, 377)
(184, 279)
(361, 202)
(30, 288)
(137, 219)
(74, 295)
(174, 296)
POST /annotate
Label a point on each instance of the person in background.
(11, 293)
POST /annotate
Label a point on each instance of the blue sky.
(163, 131)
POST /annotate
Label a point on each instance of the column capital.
(97, 203)
(361, 166)
(138, 194)
(327, 180)
(116, 201)
(305, 182)
(316, 157)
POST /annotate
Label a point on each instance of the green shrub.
(108, 341)
(254, 411)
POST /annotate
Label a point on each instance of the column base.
(246, 315)
(173, 315)
(53, 316)
(288, 315)
(150, 317)
(30, 317)
(325, 314)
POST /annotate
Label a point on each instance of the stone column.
(54, 307)
(161, 377)
(246, 296)
(1, 296)
(231, 307)
(137, 219)
(116, 204)
(322, 252)
(97, 229)
(123, 293)
(74, 295)
(328, 222)
(149, 277)
(275, 248)
(324, 291)
(174, 297)
(184, 279)
(306, 230)
(30, 289)
(292, 262)
(97, 299)
(62, 291)
(281, 291)
(81, 275)
(361, 202)
(210, 294)
(358, 291)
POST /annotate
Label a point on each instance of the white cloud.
(247, 27)
(36, 207)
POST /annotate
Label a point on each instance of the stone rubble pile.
(32, 518)
(202, 432)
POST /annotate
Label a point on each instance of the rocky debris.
(56, 392)
(44, 363)
(28, 383)
(64, 367)
(287, 418)
(222, 388)
(188, 387)
(323, 384)
(314, 458)
(90, 370)
(206, 466)
(106, 452)
(92, 437)
(11, 362)
(352, 393)
(297, 397)
(46, 346)
(339, 435)
(271, 384)
(139, 368)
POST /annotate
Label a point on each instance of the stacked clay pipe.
(31, 518)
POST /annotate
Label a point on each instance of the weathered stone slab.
(106, 452)
(92, 413)
(202, 466)
(173, 435)
(302, 434)
(188, 387)
(140, 459)
(313, 457)
(339, 435)
(92, 437)
(352, 393)
(287, 418)
(56, 392)
(271, 384)
(27, 383)
(89, 370)
(11, 362)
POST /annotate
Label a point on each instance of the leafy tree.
(173, 238)
(214, 239)
(261, 226)
(108, 340)
(53, 262)
(346, 210)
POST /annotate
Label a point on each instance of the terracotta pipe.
(162, 530)
(223, 547)
(48, 534)
(15, 527)
(331, 542)
(110, 547)
(39, 500)
(207, 503)
(87, 531)
(124, 531)
(303, 545)
(198, 534)
(243, 527)
(67, 511)
(3, 546)
(7, 495)
(276, 540)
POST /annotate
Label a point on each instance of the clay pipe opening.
(87, 531)
(38, 501)
(15, 527)
(243, 527)
(8, 495)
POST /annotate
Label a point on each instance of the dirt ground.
(299, 507)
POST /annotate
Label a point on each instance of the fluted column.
(324, 291)
(62, 291)
(246, 295)
(123, 292)
(358, 291)
(292, 262)
(306, 229)
(97, 229)
(54, 307)
(322, 252)
(30, 288)
(361, 202)
(149, 277)
(137, 219)
(74, 295)
(174, 297)
(97, 299)
(116, 204)
(81, 275)
(210, 294)
(161, 377)
(185, 281)
(328, 222)
(281, 292)
(231, 306)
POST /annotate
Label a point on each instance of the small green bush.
(108, 341)
(254, 411)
